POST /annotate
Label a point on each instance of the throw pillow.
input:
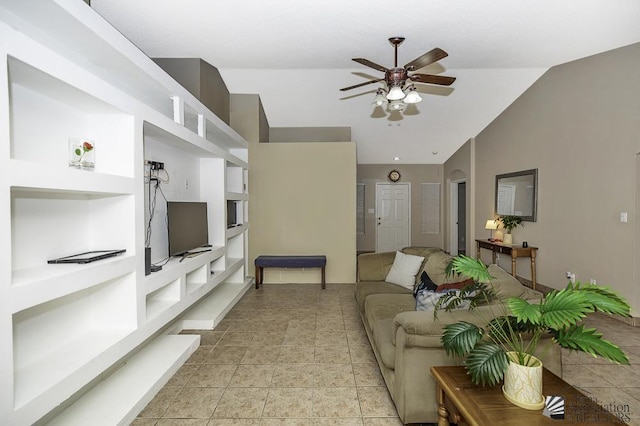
(426, 300)
(404, 269)
(454, 286)
(425, 283)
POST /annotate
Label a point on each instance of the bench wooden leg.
(258, 276)
(323, 278)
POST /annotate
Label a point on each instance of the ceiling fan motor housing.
(396, 77)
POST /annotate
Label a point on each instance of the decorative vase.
(82, 153)
(507, 238)
(523, 383)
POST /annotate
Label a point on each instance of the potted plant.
(509, 223)
(510, 336)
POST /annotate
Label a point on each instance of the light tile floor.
(298, 355)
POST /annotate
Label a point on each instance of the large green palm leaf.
(469, 266)
(525, 311)
(460, 338)
(590, 341)
(486, 363)
(564, 308)
(602, 298)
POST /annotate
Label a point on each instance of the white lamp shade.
(379, 100)
(491, 224)
(413, 97)
(395, 94)
(396, 105)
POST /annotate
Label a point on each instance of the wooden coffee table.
(462, 402)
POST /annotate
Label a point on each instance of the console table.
(513, 251)
(463, 403)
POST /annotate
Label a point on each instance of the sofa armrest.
(423, 330)
(375, 266)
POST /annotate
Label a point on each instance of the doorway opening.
(458, 217)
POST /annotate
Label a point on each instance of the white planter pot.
(507, 238)
(523, 384)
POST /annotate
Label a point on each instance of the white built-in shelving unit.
(93, 339)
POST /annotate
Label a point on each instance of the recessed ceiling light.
(434, 152)
(396, 158)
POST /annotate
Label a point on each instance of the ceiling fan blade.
(442, 80)
(361, 84)
(370, 64)
(426, 59)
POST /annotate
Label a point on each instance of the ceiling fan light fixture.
(413, 97)
(395, 94)
(396, 105)
(380, 99)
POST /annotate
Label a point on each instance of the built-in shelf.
(87, 323)
(66, 328)
(163, 298)
(132, 386)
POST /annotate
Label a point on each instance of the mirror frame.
(530, 172)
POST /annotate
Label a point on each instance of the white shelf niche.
(47, 224)
(217, 267)
(238, 276)
(235, 179)
(163, 299)
(197, 278)
(235, 247)
(45, 112)
(55, 340)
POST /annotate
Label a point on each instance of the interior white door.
(393, 204)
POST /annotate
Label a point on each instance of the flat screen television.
(187, 226)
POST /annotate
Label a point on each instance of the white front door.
(393, 204)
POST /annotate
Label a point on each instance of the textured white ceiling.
(297, 54)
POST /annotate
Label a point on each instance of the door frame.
(408, 185)
(453, 216)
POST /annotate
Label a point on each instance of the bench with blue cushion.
(289, 261)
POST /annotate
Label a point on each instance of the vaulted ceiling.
(297, 54)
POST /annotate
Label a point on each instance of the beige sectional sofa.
(406, 342)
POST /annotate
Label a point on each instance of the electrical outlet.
(592, 281)
(572, 278)
(186, 184)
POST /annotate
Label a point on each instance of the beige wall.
(202, 79)
(247, 117)
(310, 134)
(302, 198)
(369, 174)
(579, 125)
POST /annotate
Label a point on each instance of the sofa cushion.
(383, 306)
(382, 331)
(506, 285)
(436, 265)
(375, 266)
(421, 251)
(404, 269)
(364, 289)
(425, 252)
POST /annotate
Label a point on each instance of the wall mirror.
(517, 194)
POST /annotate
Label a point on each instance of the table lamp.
(491, 224)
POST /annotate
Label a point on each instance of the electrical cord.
(154, 181)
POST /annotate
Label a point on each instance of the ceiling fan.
(397, 78)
